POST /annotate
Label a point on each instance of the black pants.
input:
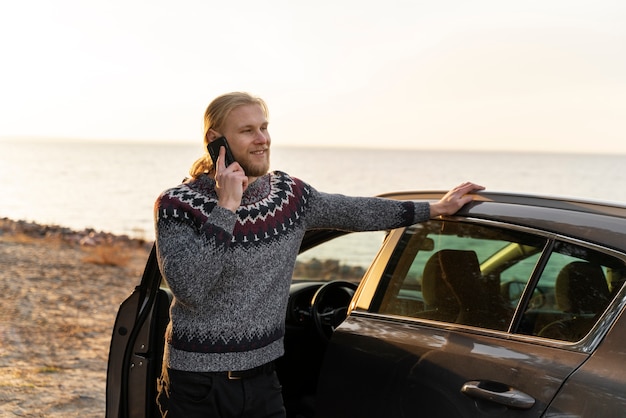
(196, 394)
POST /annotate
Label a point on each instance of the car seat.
(582, 293)
(447, 282)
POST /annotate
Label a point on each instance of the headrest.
(449, 275)
(581, 287)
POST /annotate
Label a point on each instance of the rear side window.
(459, 273)
(573, 291)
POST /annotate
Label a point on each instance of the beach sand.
(60, 294)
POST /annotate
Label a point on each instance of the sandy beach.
(60, 293)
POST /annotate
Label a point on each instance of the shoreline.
(61, 291)
(87, 236)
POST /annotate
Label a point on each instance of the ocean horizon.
(112, 186)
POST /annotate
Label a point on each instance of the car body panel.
(421, 370)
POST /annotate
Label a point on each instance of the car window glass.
(346, 257)
(457, 273)
(576, 286)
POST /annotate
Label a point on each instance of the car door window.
(346, 257)
(576, 287)
(458, 273)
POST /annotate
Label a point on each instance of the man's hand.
(454, 200)
(230, 181)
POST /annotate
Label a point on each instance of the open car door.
(136, 351)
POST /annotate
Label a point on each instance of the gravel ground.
(59, 301)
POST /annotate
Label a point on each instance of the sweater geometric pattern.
(260, 218)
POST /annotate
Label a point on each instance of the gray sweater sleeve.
(363, 213)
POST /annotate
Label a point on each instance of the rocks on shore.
(87, 237)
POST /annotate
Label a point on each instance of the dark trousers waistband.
(267, 368)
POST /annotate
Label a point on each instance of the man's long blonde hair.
(214, 118)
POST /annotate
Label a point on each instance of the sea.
(111, 186)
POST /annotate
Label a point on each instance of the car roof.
(598, 222)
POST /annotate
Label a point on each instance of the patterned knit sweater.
(230, 272)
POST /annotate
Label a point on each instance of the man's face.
(245, 129)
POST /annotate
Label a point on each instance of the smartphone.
(214, 150)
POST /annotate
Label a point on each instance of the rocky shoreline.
(88, 236)
(61, 290)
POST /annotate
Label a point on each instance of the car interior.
(581, 291)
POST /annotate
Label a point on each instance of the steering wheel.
(329, 306)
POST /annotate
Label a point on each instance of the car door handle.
(498, 393)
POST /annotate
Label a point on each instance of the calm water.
(112, 186)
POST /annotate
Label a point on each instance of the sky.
(546, 75)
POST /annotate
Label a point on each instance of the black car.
(512, 307)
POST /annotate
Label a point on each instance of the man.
(227, 240)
